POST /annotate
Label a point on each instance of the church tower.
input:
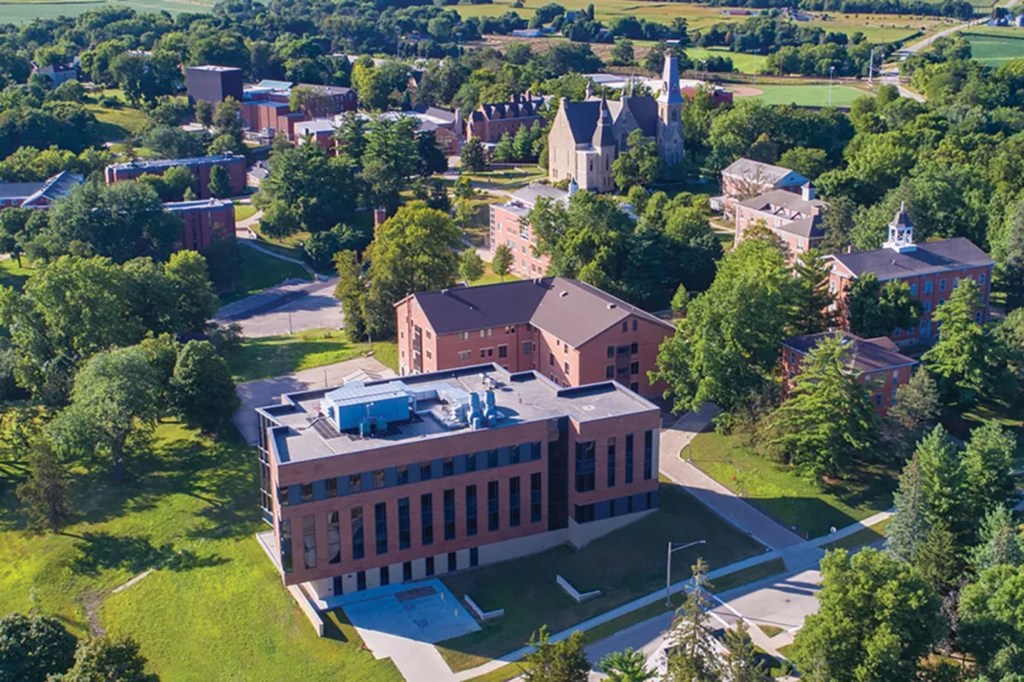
(670, 109)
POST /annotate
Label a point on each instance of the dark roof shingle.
(868, 355)
(926, 258)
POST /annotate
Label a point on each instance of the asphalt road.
(286, 309)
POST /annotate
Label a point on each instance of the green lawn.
(260, 271)
(214, 607)
(491, 278)
(780, 492)
(273, 356)
(815, 95)
(625, 564)
(243, 211)
(23, 11)
(741, 61)
(508, 179)
(11, 275)
(995, 45)
(117, 123)
(864, 536)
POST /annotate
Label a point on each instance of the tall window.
(309, 541)
(493, 517)
(286, 546)
(611, 462)
(535, 509)
(648, 455)
(404, 536)
(585, 466)
(513, 501)
(358, 550)
(629, 458)
(470, 510)
(449, 514)
(333, 538)
(427, 518)
(380, 525)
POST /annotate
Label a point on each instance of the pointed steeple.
(603, 136)
(901, 231)
(670, 93)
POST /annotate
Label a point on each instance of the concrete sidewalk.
(710, 492)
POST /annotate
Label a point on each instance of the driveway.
(262, 392)
(292, 307)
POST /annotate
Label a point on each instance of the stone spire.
(603, 136)
(670, 81)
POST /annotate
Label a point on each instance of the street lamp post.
(668, 567)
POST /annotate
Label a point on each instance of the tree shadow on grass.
(102, 551)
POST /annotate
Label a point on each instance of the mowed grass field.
(815, 95)
(26, 10)
(213, 607)
(996, 45)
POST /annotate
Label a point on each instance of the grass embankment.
(780, 492)
(273, 356)
(864, 536)
(624, 565)
(213, 608)
(244, 211)
(117, 123)
(260, 271)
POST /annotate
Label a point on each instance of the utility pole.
(668, 567)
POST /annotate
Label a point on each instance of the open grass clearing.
(865, 536)
(24, 11)
(780, 492)
(625, 564)
(214, 607)
(117, 123)
(260, 271)
(507, 179)
(996, 45)
(244, 211)
(14, 275)
(807, 95)
(272, 356)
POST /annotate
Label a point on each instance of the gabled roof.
(18, 190)
(644, 110)
(927, 258)
(868, 355)
(522, 108)
(808, 228)
(57, 187)
(582, 118)
(748, 169)
(573, 311)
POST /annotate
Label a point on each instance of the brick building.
(492, 120)
(509, 226)
(930, 270)
(570, 332)
(876, 362)
(38, 194)
(394, 480)
(266, 107)
(204, 221)
(794, 218)
(200, 166)
(746, 178)
(213, 84)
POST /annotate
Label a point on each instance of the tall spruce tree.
(999, 541)
(693, 657)
(45, 491)
(943, 482)
(989, 461)
(917, 404)
(959, 358)
(812, 298)
(562, 661)
(827, 420)
(909, 523)
(741, 664)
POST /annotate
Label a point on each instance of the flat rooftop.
(520, 398)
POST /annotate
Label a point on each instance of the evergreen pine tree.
(692, 657)
(812, 301)
(988, 463)
(942, 481)
(1000, 541)
(916, 405)
(45, 492)
(504, 152)
(741, 664)
(909, 523)
(958, 358)
(937, 558)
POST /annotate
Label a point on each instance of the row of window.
(341, 486)
(606, 509)
(633, 369)
(928, 284)
(429, 568)
(381, 540)
(586, 462)
(631, 349)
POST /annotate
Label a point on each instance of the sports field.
(27, 10)
(996, 45)
(814, 95)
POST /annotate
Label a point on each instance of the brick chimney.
(380, 214)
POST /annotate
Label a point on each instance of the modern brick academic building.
(394, 480)
(568, 331)
(199, 166)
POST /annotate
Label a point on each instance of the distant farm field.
(815, 95)
(995, 46)
(27, 10)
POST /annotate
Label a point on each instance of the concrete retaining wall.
(480, 614)
(577, 596)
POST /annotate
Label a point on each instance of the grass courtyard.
(213, 608)
(273, 356)
(624, 565)
(780, 492)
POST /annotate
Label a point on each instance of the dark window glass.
(425, 472)
(449, 514)
(427, 518)
(403, 475)
(648, 455)
(471, 510)
(453, 562)
(333, 538)
(429, 565)
(513, 501)
(307, 492)
(585, 466)
(493, 516)
(629, 458)
(385, 576)
(609, 372)
(404, 535)
(492, 459)
(474, 557)
(332, 487)
(355, 483)
(378, 479)
(513, 457)
(448, 467)
(634, 368)
(406, 571)
(611, 463)
(380, 524)
(358, 550)
(634, 348)
(535, 508)
(611, 351)
(470, 463)
(286, 546)
(361, 580)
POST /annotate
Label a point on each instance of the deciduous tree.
(32, 648)
(202, 390)
(219, 185)
(562, 661)
(102, 659)
(991, 626)
(471, 266)
(638, 164)
(502, 262)
(473, 157)
(874, 309)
